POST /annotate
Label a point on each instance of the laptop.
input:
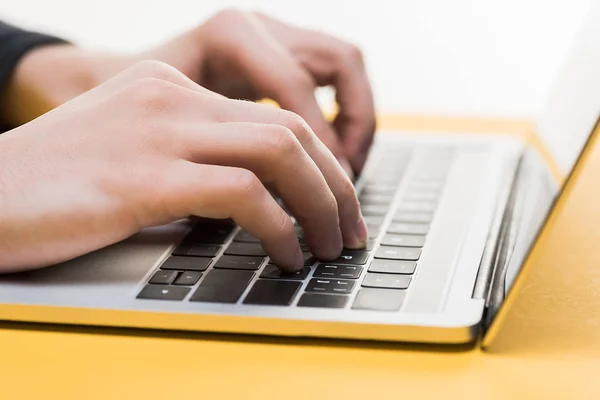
(454, 223)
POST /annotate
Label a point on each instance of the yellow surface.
(549, 346)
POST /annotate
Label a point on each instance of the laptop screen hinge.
(495, 243)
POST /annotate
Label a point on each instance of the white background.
(459, 57)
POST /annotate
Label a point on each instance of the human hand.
(149, 147)
(234, 53)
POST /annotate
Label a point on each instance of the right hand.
(149, 147)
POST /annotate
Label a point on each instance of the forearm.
(51, 75)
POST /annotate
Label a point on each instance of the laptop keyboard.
(217, 262)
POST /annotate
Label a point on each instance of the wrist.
(43, 79)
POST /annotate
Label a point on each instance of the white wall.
(483, 57)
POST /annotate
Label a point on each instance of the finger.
(227, 192)
(275, 74)
(352, 225)
(276, 156)
(334, 62)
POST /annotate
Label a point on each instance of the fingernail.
(299, 259)
(346, 166)
(362, 234)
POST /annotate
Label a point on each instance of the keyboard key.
(244, 236)
(162, 292)
(222, 286)
(239, 262)
(356, 257)
(388, 281)
(398, 253)
(374, 219)
(322, 300)
(420, 196)
(272, 293)
(420, 218)
(393, 266)
(417, 207)
(188, 278)
(272, 272)
(330, 286)
(374, 209)
(375, 199)
(211, 235)
(245, 249)
(403, 240)
(337, 271)
(186, 263)
(163, 277)
(408, 228)
(196, 250)
(378, 300)
(379, 189)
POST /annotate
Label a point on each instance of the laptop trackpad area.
(91, 280)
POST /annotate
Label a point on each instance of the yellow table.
(549, 347)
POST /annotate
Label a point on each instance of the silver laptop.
(452, 222)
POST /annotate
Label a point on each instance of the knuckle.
(228, 15)
(245, 183)
(154, 69)
(151, 94)
(348, 193)
(280, 141)
(352, 53)
(296, 124)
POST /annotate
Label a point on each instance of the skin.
(157, 141)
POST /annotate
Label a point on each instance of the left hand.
(240, 55)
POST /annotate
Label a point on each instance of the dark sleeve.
(14, 44)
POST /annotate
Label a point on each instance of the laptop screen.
(572, 106)
(564, 127)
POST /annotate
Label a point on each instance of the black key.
(187, 263)
(212, 235)
(393, 266)
(245, 249)
(163, 277)
(222, 286)
(238, 262)
(244, 236)
(337, 271)
(330, 286)
(272, 293)
(355, 257)
(272, 272)
(403, 240)
(196, 250)
(398, 253)
(162, 292)
(378, 300)
(188, 278)
(210, 223)
(389, 281)
(408, 228)
(421, 218)
(374, 209)
(417, 206)
(322, 300)
(309, 259)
